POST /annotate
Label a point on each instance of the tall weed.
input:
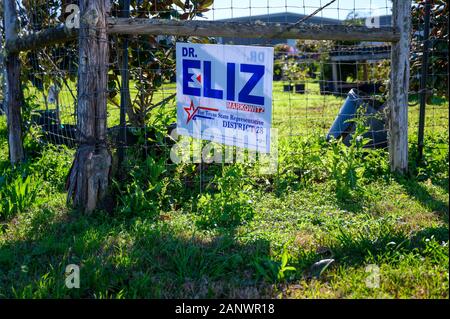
(350, 167)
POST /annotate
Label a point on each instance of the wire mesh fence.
(433, 43)
(314, 80)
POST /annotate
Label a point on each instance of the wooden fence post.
(399, 86)
(88, 179)
(13, 94)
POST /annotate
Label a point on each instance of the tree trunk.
(89, 175)
(13, 94)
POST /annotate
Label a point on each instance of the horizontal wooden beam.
(361, 57)
(251, 30)
(47, 37)
(261, 30)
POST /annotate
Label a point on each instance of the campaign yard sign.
(224, 94)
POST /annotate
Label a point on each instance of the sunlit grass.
(399, 224)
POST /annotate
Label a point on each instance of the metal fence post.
(423, 80)
(2, 66)
(125, 90)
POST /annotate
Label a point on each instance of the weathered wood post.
(399, 86)
(13, 95)
(88, 179)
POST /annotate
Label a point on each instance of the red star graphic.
(190, 109)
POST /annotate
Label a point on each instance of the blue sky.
(223, 9)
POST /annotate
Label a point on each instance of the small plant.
(135, 201)
(52, 165)
(141, 197)
(299, 162)
(274, 271)
(277, 70)
(435, 160)
(231, 206)
(294, 72)
(437, 252)
(347, 165)
(19, 195)
(285, 256)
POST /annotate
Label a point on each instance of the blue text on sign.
(243, 96)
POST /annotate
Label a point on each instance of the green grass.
(174, 241)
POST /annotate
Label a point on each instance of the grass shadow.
(443, 183)
(351, 203)
(420, 193)
(128, 258)
(387, 244)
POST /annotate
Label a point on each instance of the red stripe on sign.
(208, 108)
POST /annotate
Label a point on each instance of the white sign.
(224, 94)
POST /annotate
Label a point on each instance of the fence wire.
(312, 79)
(437, 77)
